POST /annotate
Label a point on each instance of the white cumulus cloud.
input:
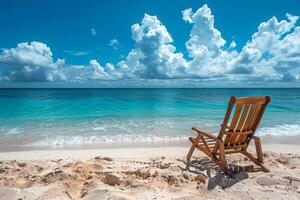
(30, 62)
(153, 56)
(205, 46)
(271, 54)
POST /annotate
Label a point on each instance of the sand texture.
(148, 177)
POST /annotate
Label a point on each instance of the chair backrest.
(240, 128)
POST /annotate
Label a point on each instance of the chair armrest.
(204, 133)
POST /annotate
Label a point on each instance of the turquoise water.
(70, 117)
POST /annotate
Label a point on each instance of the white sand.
(144, 173)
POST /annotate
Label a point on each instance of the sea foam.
(65, 141)
(284, 129)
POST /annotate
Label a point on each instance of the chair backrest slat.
(250, 117)
(255, 117)
(235, 117)
(247, 115)
(243, 117)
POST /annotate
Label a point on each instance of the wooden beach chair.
(234, 137)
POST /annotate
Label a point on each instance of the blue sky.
(91, 43)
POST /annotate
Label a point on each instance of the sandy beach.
(147, 173)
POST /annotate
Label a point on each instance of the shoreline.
(277, 144)
(287, 144)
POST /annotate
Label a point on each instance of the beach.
(149, 100)
(147, 173)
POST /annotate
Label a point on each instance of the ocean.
(61, 118)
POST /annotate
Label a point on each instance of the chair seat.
(210, 142)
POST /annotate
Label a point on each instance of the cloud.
(93, 71)
(93, 31)
(97, 71)
(77, 53)
(203, 36)
(114, 43)
(271, 55)
(30, 62)
(153, 55)
(232, 45)
(33, 62)
(108, 72)
(205, 46)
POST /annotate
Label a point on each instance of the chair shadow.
(236, 173)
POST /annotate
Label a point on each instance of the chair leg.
(222, 155)
(191, 151)
(258, 149)
(256, 161)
